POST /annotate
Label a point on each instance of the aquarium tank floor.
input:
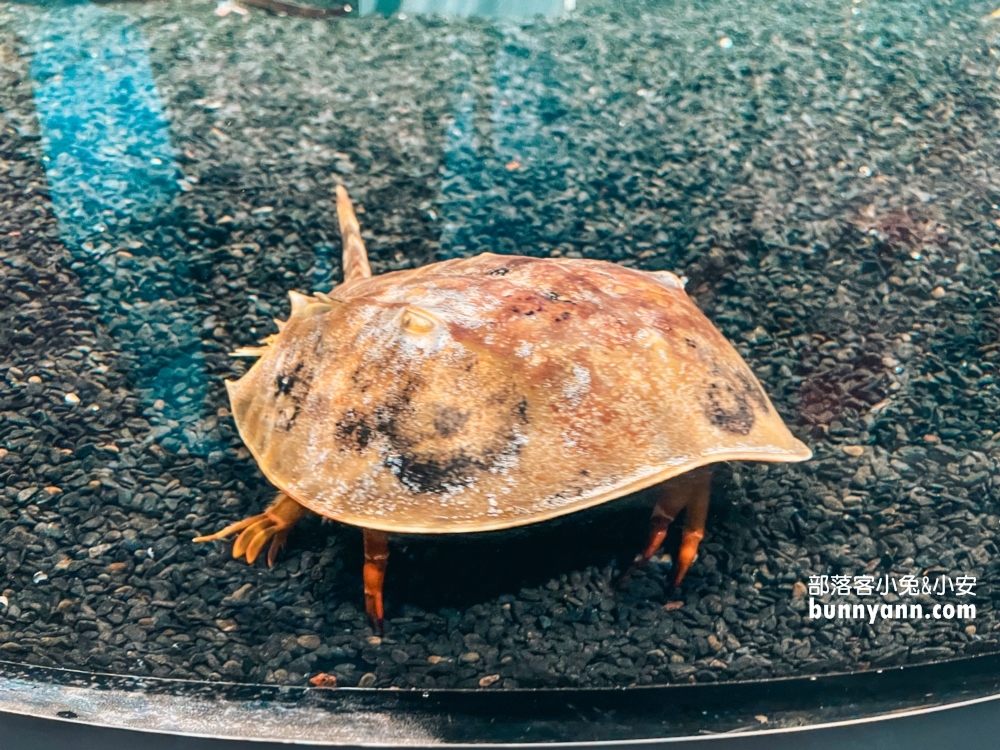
(824, 174)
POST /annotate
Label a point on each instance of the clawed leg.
(667, 508)
(694, 524)
(689, 491)
(273, 524)
(376, 559)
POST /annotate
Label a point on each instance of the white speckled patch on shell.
(576, 387)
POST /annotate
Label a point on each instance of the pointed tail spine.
(355, 262)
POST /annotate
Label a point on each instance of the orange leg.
(255, 531)
(689, 491)
(694, 525)
(669, 505)
(376, 559)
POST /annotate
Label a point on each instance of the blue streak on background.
(110, 164)
(103, 126)
(477, 186)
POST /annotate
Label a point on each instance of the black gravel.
(828, 183)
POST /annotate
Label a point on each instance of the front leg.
(272, 524)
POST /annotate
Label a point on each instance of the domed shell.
(496, 391)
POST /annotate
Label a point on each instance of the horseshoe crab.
(491, 392)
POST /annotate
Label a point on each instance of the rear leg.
(376, 559)
(690, 491)
(694, 525)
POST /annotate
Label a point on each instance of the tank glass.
(823, 179)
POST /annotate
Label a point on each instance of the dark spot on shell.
(499, 272)
(408, 432)
(527, 303)
(449, 420)
(522, 410)
(561, 317)
(289, 421)
(584, 473)
(726, 407)
(357, 429)
(294, 386)
(691, 343)
(552, 296)
(286, 381)
(752, 390)
(433, 475)
(435, 471)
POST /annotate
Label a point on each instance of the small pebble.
(324, 680)
(854, 450)
(34, 379)
(39, 577)
(72, 398)
(367, 680)
(373, 640)
(970, 630)
(311, 642)
(3, 601)
(799, 590)
(469, 657)
(725, 42)
(488, 680)
(938, 292)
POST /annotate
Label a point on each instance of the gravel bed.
(828, 181)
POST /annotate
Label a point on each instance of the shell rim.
(764, 456)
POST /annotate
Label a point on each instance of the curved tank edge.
(433, 718)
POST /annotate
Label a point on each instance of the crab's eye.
(416, 321)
